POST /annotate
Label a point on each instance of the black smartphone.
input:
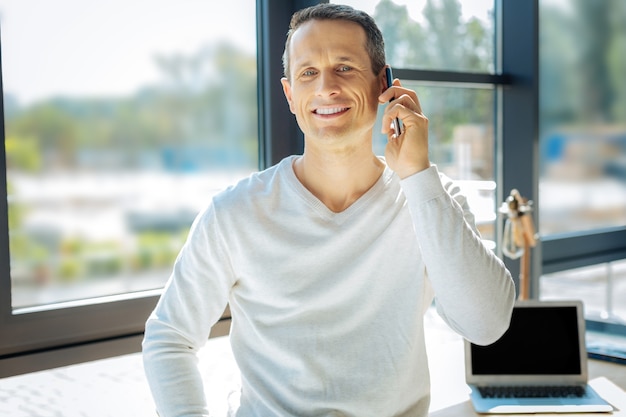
(396, 124)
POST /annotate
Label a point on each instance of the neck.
(338, 180)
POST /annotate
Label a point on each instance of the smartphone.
(396, 123)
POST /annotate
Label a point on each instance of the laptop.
(538, 366)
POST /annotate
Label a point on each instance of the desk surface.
(450, 394)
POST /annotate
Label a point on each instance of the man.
(329, 260)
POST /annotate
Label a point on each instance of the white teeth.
(330, 111)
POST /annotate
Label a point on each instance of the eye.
(344, 68)
(308, 73)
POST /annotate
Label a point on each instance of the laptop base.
(591, 403)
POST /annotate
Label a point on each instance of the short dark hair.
(374, 45)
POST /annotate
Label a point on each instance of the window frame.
(515, 84)
(66, 333)
(564, 251)
(33, 341)
(556, 252)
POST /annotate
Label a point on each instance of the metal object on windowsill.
(519, 236)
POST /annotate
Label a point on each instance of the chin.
(330, 136)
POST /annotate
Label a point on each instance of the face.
(332, 89)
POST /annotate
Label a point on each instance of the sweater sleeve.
(474, 292)
(193, 300)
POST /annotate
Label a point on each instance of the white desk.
(450, 394)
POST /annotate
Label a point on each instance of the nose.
(328, 84)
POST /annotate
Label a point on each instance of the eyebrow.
(307, 63)
(345, 59)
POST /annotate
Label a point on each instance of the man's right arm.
(192, 301)
(171, 369)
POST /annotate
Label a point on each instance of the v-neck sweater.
(327, 308)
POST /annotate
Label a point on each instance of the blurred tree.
(207, 100)
(54, 130)
(404, 37)
(617, 60)
(22, 154)
(445, 42)
(214, 105)
(442, 41)
(444, 34)
(559, 89)
(583, 62)
(593, 37)
(478, 42)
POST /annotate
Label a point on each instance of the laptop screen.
(541, 340)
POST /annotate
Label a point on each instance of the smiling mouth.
(330, 111)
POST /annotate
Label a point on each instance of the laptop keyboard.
(532, 391)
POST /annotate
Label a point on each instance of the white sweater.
(327, 308)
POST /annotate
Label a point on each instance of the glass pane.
(601, 287)
(435, 35)
(582, 115)
(122, 119)
(461, 143)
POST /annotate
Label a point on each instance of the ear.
(382, 78)
(287, 90)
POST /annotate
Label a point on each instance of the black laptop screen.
(539, 341)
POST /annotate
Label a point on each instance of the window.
(513, 58)
(434, 47)
(461, 143)
(601, 287)
(436, 35)
(583, 115)
(118, 129)
(582, 153)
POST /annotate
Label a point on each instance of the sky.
(47, 46)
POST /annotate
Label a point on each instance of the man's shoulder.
(257, 184)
